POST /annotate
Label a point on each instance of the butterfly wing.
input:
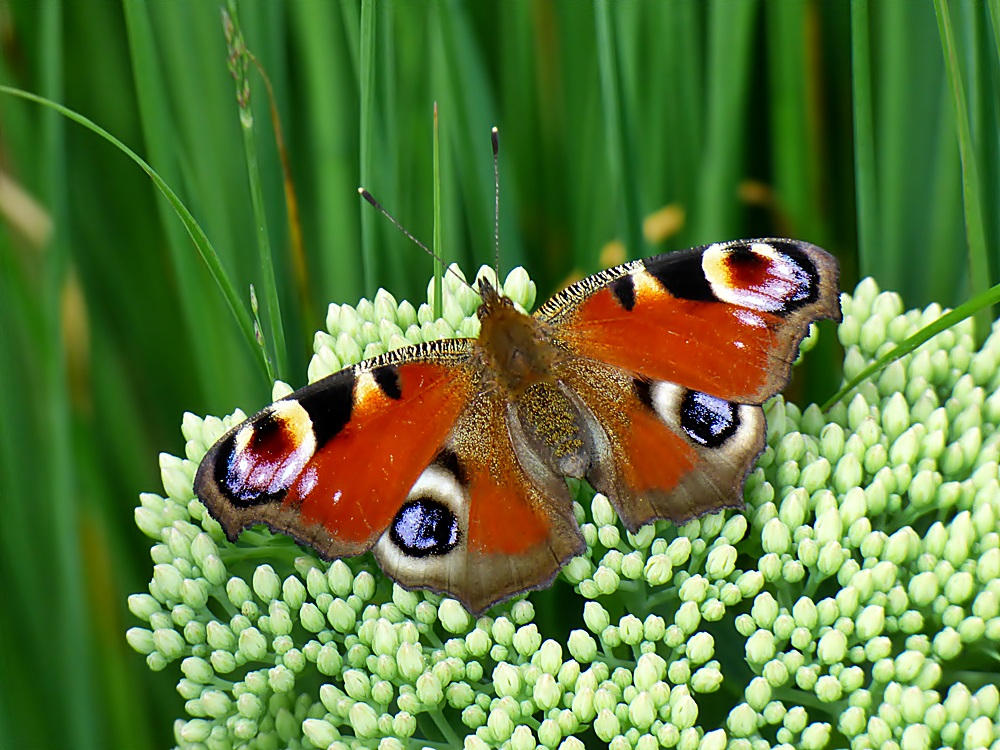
(672, 356)
(332, 463)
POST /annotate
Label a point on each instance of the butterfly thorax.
(514, 347)
(519, 356)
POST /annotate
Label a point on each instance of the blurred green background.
(828, 121)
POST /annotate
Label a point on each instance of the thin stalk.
(238, 65)
(366, 66)
(436, 234)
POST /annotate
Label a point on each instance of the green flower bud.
(429, 689)
(341, 616)
(700, 648)
(630, 629)
(506, 680)
(959, 587)
(582, 645)
(815, 474)
(266, 583)
(550, 657)
(364, 720)
(195, 730)
(453, 616)
(527, 640)
(606, 580)
(706, 680)
(197, 670)
(410, 661)
(281, 679)
(601, 511)
(832, 647)
(828, 689)
(775, 673)
(742, 721)
(721, 562)
(870, 622)
(223, 662)
(606, 725)
(658, 570)
(500, 724)
(684, 712)
(679, 550)
(760, 647)
(815, 736)
(687, 618)
(252, 645)
(546, 692)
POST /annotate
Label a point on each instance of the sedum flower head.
(854, 603)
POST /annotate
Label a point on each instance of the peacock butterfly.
(447, 459)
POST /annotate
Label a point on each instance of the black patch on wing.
(424, 527)
(448, 460)
(708, 420)
(681, 274)
(329, 403)
(624, 290)
(644, 390)
(387, 378)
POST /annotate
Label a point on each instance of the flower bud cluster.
(855, 602)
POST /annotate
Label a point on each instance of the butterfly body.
(448, 459)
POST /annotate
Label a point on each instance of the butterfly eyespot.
(423, 527)
(258, 463)
(708, 420)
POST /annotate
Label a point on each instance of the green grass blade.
(437, 245)
(620, 150)
(730, 31)
(69, 622)
(367, 133)
(979, 272)
(866, 189)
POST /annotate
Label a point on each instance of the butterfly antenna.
(368, 197)
(495, 137)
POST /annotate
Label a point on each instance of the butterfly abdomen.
(554, 428)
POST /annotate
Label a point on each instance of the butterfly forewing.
(332, 464)
(724, 319)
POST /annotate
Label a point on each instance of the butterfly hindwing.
(665, 451)
(332, 463)
(482, 523)
(724, 319)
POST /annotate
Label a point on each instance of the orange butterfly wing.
(723, 319)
